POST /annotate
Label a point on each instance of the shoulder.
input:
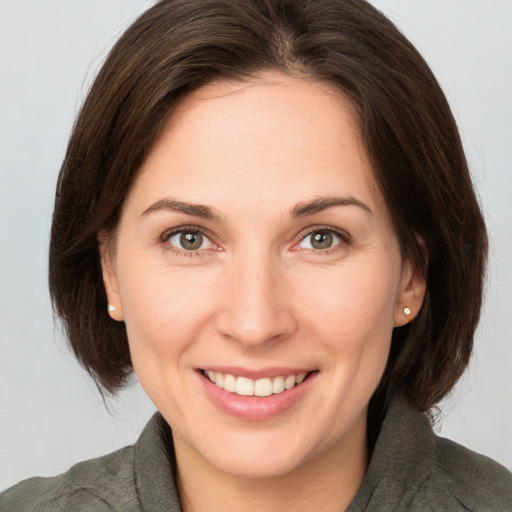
(412, 469)
(133, 479)
(102, 484)
(473, 480)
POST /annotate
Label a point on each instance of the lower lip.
(255, 408)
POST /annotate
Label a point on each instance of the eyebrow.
(197, 210)
(323, 203)
(302, 209)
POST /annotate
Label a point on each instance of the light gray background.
(50, 413)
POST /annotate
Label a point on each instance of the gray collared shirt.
(411, 469)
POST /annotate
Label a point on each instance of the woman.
(266, 212)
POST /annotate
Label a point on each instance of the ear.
(412, 289)
(109, 276)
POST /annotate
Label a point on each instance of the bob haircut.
(405, 123)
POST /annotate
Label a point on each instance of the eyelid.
(167, 235)
(172, 231)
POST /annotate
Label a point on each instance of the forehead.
(245, 106)
(270, 137)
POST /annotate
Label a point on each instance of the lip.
(254, 408)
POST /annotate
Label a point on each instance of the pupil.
(321, 240)
(191, 241)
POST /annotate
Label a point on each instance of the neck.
(329, 482)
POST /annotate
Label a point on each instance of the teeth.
(219, 379)
(278, 385)
(247, 387)
(263, 387)
(229, 383)
(300, 377)
(244, 386)
(289, 382)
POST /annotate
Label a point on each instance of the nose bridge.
(255, 308)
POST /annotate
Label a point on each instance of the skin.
(257, 294)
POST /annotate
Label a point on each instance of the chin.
(257, 463)
(260, 453)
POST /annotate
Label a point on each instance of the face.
(259, 277)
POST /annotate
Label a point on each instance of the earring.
(111, 308)
(407, 311)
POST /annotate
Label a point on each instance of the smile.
(245, 386)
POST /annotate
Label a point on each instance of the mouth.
(257, 395)
(263, 387)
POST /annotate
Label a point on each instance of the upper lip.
(256, 374)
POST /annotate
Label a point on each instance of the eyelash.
(345, 240)
(182, 252)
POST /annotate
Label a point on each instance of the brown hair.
(405, 121)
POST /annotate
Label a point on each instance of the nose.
(256, 307)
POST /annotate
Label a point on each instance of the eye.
(321, 239)
(189, 240)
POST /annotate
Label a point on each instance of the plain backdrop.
(51, 415)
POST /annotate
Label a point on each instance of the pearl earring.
(111, 308)
(407, 311)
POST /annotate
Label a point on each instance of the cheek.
(351, 318)
(163, 308)
(165, 314)
(351, 303)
